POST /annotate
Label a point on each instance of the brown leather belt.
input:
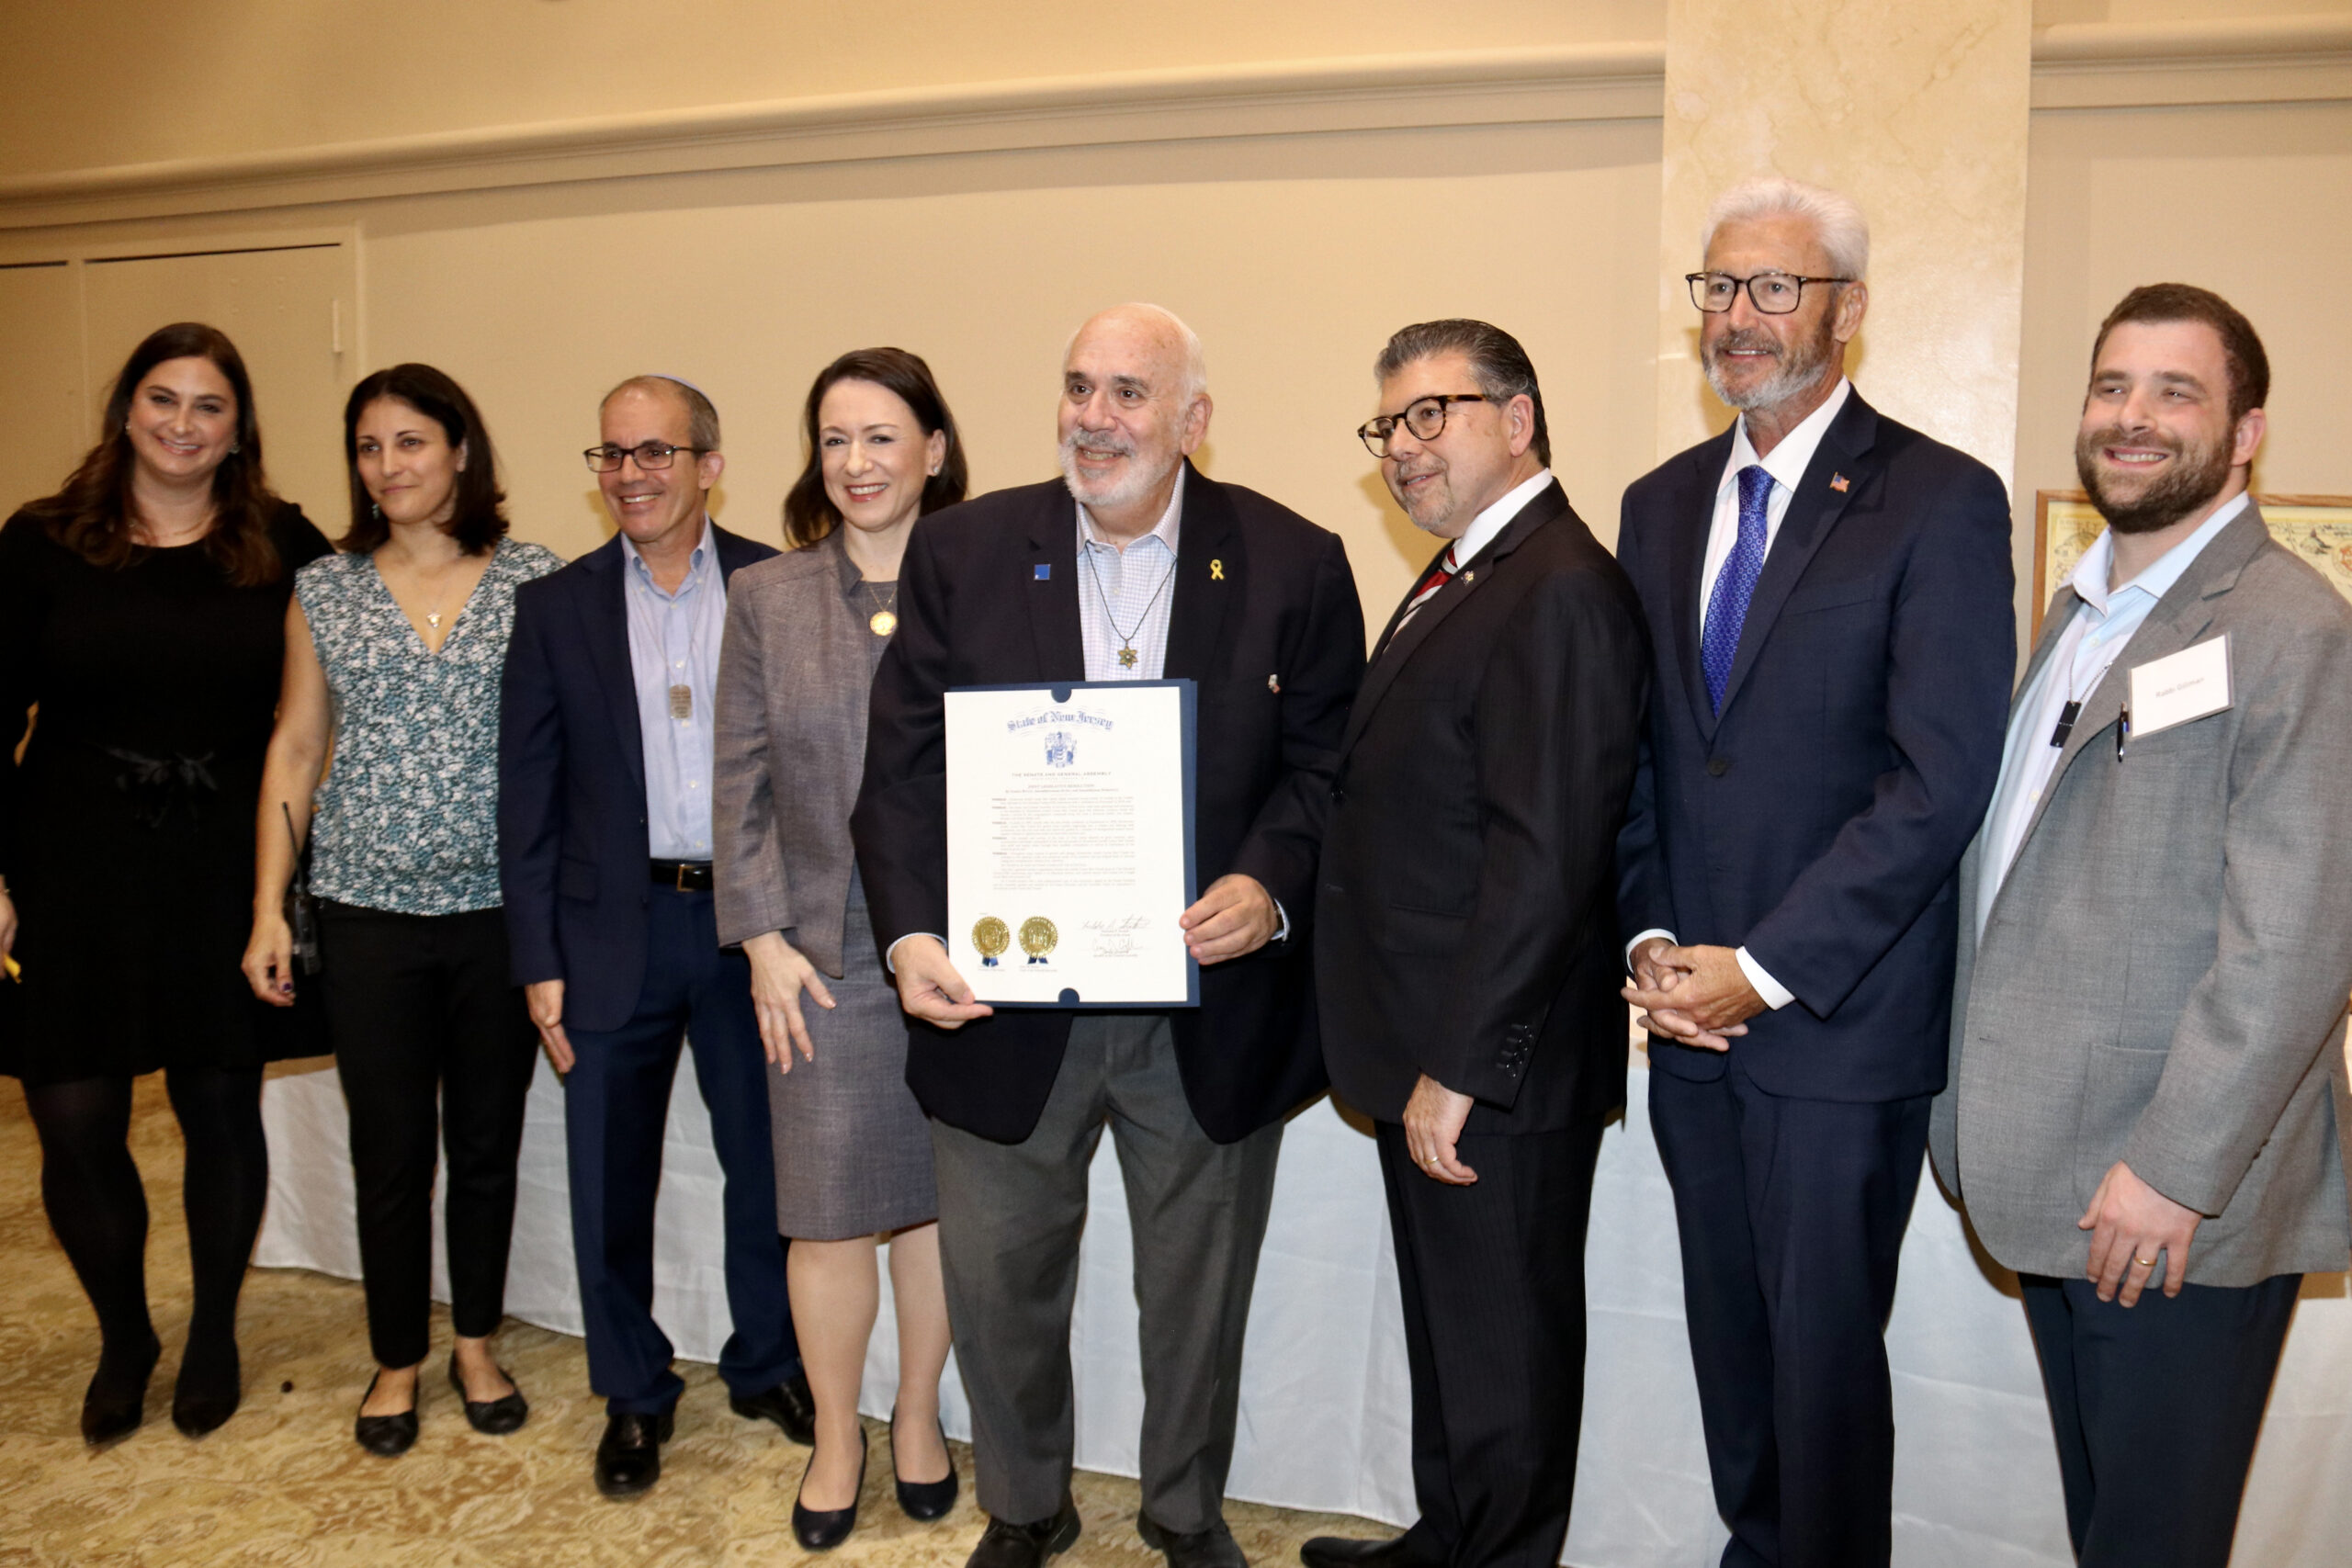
(682, 875)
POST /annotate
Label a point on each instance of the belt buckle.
(681, 878)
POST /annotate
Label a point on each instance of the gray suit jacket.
(793, 677)
(2163, 977)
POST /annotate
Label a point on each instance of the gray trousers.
(1009, 1217)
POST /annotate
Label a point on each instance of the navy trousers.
(2157, 1407)
(615, 1105)
(1791, 1214)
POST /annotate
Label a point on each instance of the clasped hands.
(1234, 918)
(1693, 995)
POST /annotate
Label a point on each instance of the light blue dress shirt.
(673, 641)
(2100, 630)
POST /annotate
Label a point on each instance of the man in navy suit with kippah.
(603, 824)
(1828, 597)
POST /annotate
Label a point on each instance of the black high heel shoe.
(491, 1418)
(923, 1500)
(822, 1529)
(209, 1387)
(387, 1437)
(116, 1401)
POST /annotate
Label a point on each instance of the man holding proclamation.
(1133, 567)
(1465, 939)
(1828, 598)
(2157, 948)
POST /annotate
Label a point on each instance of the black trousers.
(1791, 1214)
(2157, 1408)
(1492, 1276)
(436, 1050)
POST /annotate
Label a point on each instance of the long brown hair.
(92, 514)
(808, 513)
(479, 520)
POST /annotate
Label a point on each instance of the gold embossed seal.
(1037, 938)
(991, 936)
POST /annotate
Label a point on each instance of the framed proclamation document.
(1070, 842)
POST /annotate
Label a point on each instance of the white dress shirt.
(1477, 536)
(2101, 627)
(1786, 463)
(1124, 595)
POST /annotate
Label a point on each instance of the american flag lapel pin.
(1838, 483)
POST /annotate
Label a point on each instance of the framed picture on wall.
(2318, 528)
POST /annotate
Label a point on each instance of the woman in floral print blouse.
(393, 653)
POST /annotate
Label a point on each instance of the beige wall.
(231, 76)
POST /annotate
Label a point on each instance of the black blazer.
(1278, 607)
(1464, 925)
(1820, 820)
(573, 842)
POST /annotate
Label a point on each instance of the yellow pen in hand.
(15, 970)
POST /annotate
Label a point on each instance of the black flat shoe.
(1212, 1548)
(822, 1529)
(628, 1459)
(1007, 1545)
(1350, 1551)
(116, 1401)
(923, 1500)
(208, 1392)
(491, 1418)
(387, 1437)
(788, 1405)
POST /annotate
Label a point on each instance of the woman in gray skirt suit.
(853, 1152)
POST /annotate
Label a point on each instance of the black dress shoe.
(1007, 1545)
(628, 1459)
(924, 1500)
(1212, 1548)
(209, 1389)
(387, 1437)
(788, 1405)
(821, 1530)
(1341, 1551)
(116, 1401)
(491, 1418)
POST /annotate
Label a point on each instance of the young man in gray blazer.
(2156, 949)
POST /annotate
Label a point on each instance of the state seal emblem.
(1060, 749)
(991, 936)
(1037, 938)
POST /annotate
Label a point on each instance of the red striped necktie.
(1439, 575)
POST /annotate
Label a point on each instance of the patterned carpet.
(283, 1484)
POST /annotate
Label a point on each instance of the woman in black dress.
(142, 609)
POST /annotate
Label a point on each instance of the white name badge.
(2181, 686)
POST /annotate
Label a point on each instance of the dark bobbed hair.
(2249, 366)
(478, 521)
(1497, 364)
(810, 515)
(91, 516)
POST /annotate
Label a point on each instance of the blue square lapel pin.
(1042, 573)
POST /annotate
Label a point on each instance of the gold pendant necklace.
(884, 619)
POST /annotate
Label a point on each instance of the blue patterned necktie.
(1727, 605)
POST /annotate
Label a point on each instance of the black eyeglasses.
(1425, 417)
(604, 460)
(1773, 293)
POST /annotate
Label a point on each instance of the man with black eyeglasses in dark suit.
(604, 833)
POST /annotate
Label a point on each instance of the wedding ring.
(2143, 1262)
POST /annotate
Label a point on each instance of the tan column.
(1918, 111)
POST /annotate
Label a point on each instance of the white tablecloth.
(1324, 1409)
